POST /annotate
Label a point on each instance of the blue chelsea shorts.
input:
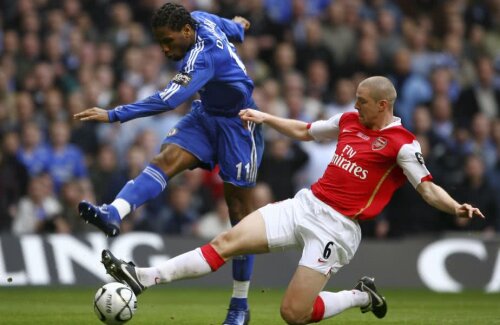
(221, 140)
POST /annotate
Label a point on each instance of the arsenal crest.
(379, 143)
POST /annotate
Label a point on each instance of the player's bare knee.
(222, 244)
(293, 316)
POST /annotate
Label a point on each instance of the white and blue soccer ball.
(115, 303)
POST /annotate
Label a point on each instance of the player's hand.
(93, 114)
(251, 115)
(242, 21)
(467, 211)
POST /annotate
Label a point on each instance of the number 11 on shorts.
(239, 168)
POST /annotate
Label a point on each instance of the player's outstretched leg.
(377, 305)
(151, 182)
(121, 271)
(104, 217)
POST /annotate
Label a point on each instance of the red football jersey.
(368, 166)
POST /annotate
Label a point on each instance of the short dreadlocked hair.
(173, 16)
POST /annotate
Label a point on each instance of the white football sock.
(337, 302)
(148, 276)
(122, 206)
(240, 289)
(188, 265)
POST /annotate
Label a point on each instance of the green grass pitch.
(179, 306)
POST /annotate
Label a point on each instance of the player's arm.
(292, 128)
(149, 106)
(233, 28)
(437, 197)
(411, 161)
(185, 84)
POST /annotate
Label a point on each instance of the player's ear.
(187, 31)
(381, 105)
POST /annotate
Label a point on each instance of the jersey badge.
(173, 131)
(182, 79)
(379, 143)
(420, 158)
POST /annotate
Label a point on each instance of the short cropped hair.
(173, 16)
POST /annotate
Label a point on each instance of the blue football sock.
(150, 182)
(242, 272)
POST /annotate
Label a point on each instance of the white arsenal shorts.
(327, 238)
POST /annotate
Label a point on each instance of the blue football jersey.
(211, 67)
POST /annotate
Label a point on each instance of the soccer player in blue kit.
(212, 133)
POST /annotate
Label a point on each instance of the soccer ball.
(115, 303)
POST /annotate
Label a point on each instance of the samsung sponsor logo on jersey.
(349, 166)
(182, 79)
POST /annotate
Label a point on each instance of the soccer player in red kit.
(375, 155)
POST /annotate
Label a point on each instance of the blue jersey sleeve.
(196, 71)
(233, 31)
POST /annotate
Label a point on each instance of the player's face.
(174, 44)
(367, 107)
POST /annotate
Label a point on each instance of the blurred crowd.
(306, 57)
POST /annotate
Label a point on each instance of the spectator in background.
(25, 111)
(344, 95)
(249, 53)
(105, 78)
(103, 172)
(121, 20)
(390, 40)
(416, 34)
(13, 179)
(29, 55)
(318, 81)
(314, 49)
(453, 53)
(39, 211)
(262, 194)
(366, 60)
(151, 79)
(412, 88)
(33, 153)
(494, 173)
(280, 163)
(284, 60)
(121, 138)
(480, 141)
(83, 135)
(444, 83)
(65, 160)
(297, 103)
(476, 189)
(73, 192)
(337, 35)
(482, 97)
(177, 217)
(213, 222)
(442, 125)
(53, 106)
(134, 163)
(266, 31)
